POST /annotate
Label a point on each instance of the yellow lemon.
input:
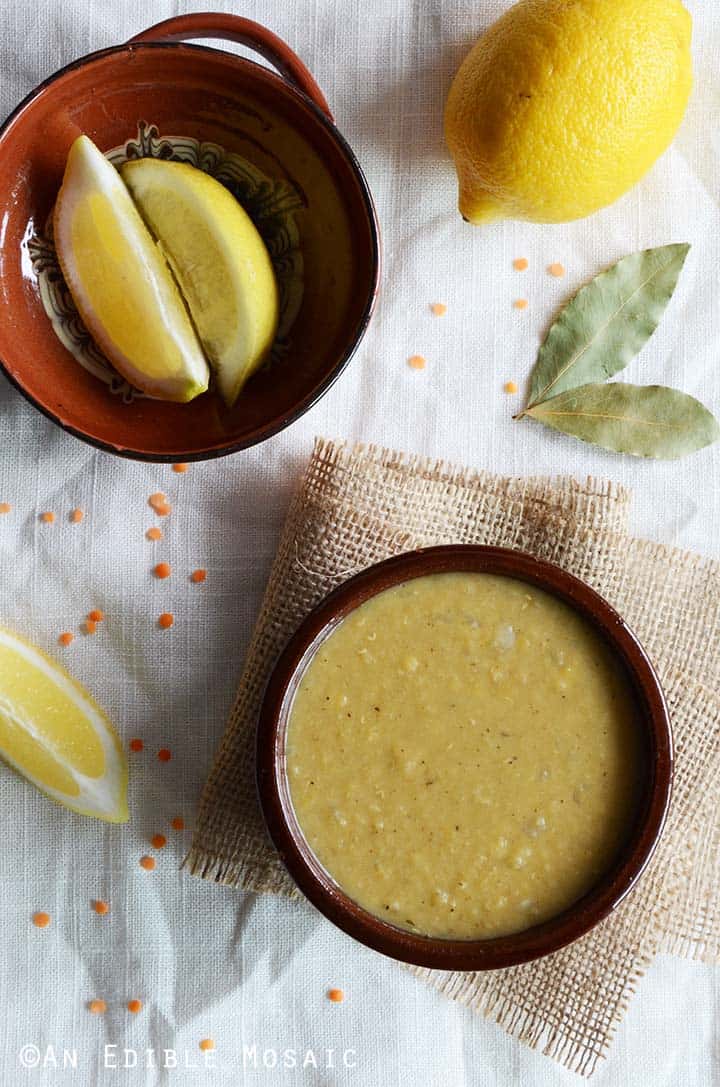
(121, 282)
(563, 105)
(55, 735)
(219, 260)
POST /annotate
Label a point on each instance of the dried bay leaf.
(607, 322)
(644, 420)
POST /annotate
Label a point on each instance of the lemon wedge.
(53, 733)
(121, 283)
(219, 261)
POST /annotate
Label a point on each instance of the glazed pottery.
(158, 87)
(315, 882)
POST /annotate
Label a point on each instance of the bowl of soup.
(465, 758)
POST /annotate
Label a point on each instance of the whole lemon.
(563, 105)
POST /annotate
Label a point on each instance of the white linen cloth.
(206, 960)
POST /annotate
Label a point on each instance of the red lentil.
(159, 504)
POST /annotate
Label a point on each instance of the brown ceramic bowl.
(315, 882)
(282, 125)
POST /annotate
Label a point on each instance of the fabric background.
(206, 960)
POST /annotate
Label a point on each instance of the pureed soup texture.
(463, 755)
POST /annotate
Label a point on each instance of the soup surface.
(463, 755)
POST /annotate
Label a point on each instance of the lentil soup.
(463, 755)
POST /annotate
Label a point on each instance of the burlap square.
(356, 507)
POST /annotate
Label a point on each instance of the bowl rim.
(354, 338)
(318, 886)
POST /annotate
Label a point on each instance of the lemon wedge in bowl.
(219, 260)
(54, 734)
(121, 283)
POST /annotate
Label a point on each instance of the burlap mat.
(358, 506)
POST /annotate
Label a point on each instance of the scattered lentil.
(66, 638)
(159, 503)
(556, 270)
(5, 507)
(96, 615)
(48, 517)
(166, 620)
(180, 468)
(438, 309)
(158, 841)
(136, 745)
(336, 996)
(97, 1007)
(178, 823)
(164, 754)
(134, 1006)
(520, 264)
(520, 303)
(206, 1044)
(154, 533)
(89, 626)
(41, 919)
(162, 570)
(416, 362)
(510, 387)
(76, 516)
(100, 907)
(198, 575)
(148, 863)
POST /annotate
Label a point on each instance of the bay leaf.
(607, 322)
(644, 420)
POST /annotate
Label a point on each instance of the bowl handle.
(234, 28)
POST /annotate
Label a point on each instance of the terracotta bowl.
(315, 882)
(279, 123)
